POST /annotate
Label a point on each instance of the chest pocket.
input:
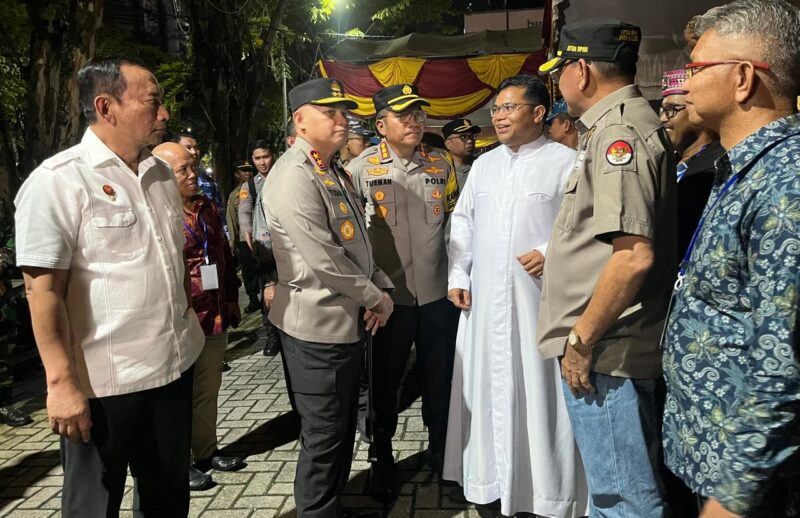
(117, 237)
(434, 204)
(566, 214)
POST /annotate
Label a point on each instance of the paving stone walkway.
(255, 420)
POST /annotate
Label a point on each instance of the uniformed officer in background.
(328, 287)
(357, 141)
(403, 185)
(459, 139)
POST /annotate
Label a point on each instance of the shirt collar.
(604, 105)
(526, 149)
(99, 153)
(749, 149)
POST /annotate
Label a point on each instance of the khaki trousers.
(207, 380)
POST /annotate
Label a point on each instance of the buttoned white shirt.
(120, 235)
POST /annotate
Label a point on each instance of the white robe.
(509, 435)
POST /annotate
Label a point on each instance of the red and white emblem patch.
(619, 153)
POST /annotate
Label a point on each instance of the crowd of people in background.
(603, 306)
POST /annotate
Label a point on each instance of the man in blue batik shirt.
(731, 362)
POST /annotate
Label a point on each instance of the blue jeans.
(616, 430)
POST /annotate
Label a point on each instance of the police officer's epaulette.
(429, 155)
(383, 155)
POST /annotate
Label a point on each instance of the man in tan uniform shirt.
(328, 285)
(609, 267)
(404, 186)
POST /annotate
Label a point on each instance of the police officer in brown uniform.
(328, 287)
(403, 186)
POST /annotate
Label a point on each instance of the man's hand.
(714, 509)
(461, 298)
(532, 262)
(575, 371)
(377, 316)
(248, 238)
(68, 410)
(268, 295)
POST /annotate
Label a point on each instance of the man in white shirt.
(100, 244)
(509, 435)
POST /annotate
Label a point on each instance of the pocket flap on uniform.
(314, 381)
(122, 218)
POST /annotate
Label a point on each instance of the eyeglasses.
(463, 137)
(416, 115)
(699, 66)
(506, 108)
(555, 75)
(671, 110)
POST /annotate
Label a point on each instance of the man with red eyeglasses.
(731, 357)
(610, 266)
(404, 186)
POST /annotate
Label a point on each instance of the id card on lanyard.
(209, 276)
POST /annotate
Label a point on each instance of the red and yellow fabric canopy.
(454, 87)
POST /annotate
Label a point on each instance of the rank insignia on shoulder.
(110, 192)
(347, 230)
(374, 160)
(243, 195)
(378, 171)
(434, 170)
(619, 153)
(385, 151)
(317, 158)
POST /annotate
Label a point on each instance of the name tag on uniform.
(208, 277)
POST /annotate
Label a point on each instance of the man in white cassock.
(509, 435)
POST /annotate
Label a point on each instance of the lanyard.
(683, 166)
(197, 238)
(685, 262)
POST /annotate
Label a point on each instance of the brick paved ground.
(254, 421)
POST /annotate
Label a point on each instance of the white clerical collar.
(527, 149)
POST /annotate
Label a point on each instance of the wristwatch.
(576, 343)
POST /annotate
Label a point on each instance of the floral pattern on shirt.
(731, 359)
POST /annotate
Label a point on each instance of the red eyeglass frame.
(692, 68)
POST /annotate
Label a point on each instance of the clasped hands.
(377, 316)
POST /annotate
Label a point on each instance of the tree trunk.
(62, 41)
(230, 76)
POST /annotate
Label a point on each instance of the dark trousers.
(149, 431)
(324, 379)
(432, 329)
(249, 270)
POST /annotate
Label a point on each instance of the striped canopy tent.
(457, 74)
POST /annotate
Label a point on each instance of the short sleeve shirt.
(120, 235)
(623, 183)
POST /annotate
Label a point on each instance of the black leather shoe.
(199, 481)
(254, 306)
(219, 463)
(13, 417)
(226, 366)
(382, 485)
(272, 343)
